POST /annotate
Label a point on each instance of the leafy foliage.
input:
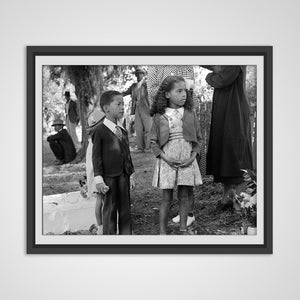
(86, 83)
(248, 199)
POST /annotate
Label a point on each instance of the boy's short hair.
(107, 98)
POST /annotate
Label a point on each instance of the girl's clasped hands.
(175, 164)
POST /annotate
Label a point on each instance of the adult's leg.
(110, 207)
(139, 129)
(184, 206)
(57, 149)
(68, 124)
(167, 198)
(147, 123)
(72, 128)
(229, 184)
(123, 188)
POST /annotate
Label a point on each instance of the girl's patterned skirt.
(166, 177)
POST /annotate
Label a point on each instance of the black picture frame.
(265, 51)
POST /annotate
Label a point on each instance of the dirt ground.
(146, 199)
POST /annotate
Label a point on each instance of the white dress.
(179, 149)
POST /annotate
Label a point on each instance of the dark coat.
(111, 157)
(63, 138)
(230, 147)
(73, 112)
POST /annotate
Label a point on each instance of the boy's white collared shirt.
(112, 127)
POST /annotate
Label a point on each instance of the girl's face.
(177, 95)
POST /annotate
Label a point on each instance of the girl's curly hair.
(160, 102)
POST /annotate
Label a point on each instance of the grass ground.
(146, 199)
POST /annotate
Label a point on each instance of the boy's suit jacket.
(160, 131)
(111, 157)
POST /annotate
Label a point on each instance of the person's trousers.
(71, 127)
(142, 123)
(116, 207)
(57, 149)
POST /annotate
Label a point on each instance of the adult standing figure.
(230, 147)
(61, 144)
(72, 118)
(141, 109)
(156, 75)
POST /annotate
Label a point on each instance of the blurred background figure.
(140, 108)
(61, 144)
(72, 118)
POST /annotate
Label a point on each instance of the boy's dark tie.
(118, 132)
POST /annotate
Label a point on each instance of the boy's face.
(115, 110)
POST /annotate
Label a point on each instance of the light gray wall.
(160, 22)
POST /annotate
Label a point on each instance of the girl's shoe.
(190, 220)
(176, 219)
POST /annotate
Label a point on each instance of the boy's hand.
(102, 188)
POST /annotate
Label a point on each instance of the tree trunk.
(98, 83)
(85, 89)
(83, 119)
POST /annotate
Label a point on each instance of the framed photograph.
(149, 150)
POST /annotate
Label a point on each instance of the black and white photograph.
(149, 150)
(166, 182)
(150, 154)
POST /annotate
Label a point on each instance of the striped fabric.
(175, 135)
(156, 74)
(118, 132)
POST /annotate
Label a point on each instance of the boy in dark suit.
(113, 165)
(61, 144)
